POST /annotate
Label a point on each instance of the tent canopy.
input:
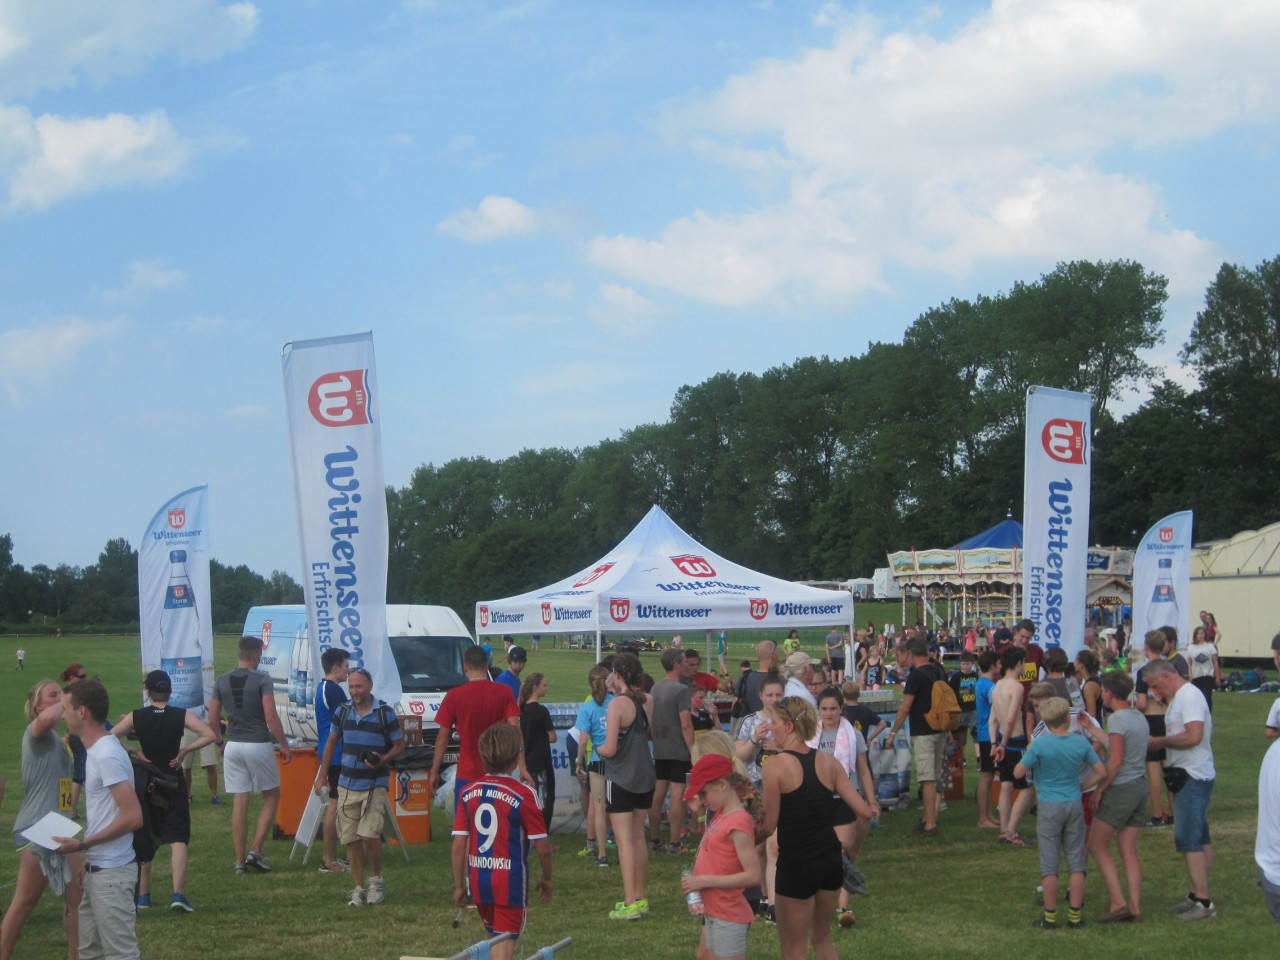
(659, 579)
(1004, 535)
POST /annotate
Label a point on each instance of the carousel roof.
(1004, 535)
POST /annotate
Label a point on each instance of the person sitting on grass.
(497, 819)
(1055, 760)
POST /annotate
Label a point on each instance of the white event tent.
(659, 579)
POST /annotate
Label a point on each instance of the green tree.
(1239, 327)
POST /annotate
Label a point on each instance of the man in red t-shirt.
(1032, 667)
(693, 669)
(472, 709)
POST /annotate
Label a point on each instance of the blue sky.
(552, 215)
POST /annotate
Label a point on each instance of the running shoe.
(179, 902)
(356, 898)
(257, 861)
(377, 892)
(845, 918)
(626, 912)
(144, 901)
(602, 861)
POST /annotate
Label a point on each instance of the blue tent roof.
(1005, 534)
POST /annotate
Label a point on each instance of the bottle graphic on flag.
(1163, 609)
(180, 637)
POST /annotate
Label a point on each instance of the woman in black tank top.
(798, 784)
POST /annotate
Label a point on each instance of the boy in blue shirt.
(988, 674)
(1056, 760)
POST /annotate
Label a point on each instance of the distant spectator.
(517, 660)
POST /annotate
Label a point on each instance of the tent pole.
(597, 644)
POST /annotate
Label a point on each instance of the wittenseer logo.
(1166, 534)
(1064, 440)
(178, 519)
(759, 608)
(619, 609)
(340, 399)
(595, 574)
(266, 634)
(692, 565)
(418, 707)
(484, 616)
(546, 613)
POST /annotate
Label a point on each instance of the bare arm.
(686, 729)
(459, 874)
(437, 755)
(901, 715)
(204, 737)
(772, 797)
(274, 725)
(543, 846)
(1188, 738)
(125, 726)
(46, 719)
(326, 760)
(215, 719)
(128, 819)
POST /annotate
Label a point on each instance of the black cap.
(158, 682)
(517, 653)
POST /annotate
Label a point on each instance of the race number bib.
(64, 794)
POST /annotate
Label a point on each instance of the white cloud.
(623, 309)
(144, 277)
(36, 355)
(496, 217)
(45, 45)
(247, 412)
(560, 289)
(991, 143)
(51, 158)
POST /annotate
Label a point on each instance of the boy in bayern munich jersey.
(497, 819)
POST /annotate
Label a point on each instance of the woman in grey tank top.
(629, 781)
(46, 781)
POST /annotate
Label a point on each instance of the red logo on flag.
(1064, 440)
(484, 616)
(693, 566)
(595, 574)
(759, 608)
(1166, 534)
(266, 634)
(417, 706)
(619, 609)
(340, 399)
(546, 613)
(180, 593)
(177, 519)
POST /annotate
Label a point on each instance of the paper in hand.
(42, 832)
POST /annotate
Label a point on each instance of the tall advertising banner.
(1162, 578)
(173, 599)
(1055, 515)
(330, 398)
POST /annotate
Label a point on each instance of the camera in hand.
(371, 757)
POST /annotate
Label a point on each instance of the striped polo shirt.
(377, 730)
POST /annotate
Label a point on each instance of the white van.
(426, 641)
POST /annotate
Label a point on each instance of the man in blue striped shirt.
(370, 736)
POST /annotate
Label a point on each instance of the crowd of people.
(774, 810)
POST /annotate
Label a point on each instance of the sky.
(553, 215)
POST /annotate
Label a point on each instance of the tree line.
(814, 469)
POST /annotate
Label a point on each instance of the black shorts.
(174, 825)
(596, 766)
(1012, 757)
(335, 770)
(985, 763)
(841, 813)
(837, 662)
(673, 771)
(802, 878)
(620, 800)
(1155, 726)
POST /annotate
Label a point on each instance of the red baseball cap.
(708, 769)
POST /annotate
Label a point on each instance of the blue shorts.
(1191, 816)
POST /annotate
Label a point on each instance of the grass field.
(960, 895)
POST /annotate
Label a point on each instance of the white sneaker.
(357, 898)
(377, 890)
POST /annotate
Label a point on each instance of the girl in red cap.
(726, 863)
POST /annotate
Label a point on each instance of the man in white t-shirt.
(1266, 850)
(1272, 729)
(798, 671)
(107, 910)
(1188, 743)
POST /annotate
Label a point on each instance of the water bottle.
(1163, 609)
(180, 637)
(694, 897)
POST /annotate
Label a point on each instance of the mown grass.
(960, 895)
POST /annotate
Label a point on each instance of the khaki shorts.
(208, 753)
(360, 813)
(930, 754)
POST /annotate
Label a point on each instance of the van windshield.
(429, 664)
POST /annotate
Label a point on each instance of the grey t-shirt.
(45, 764)
(669, 698)
(241, 692)
(1131, 725)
